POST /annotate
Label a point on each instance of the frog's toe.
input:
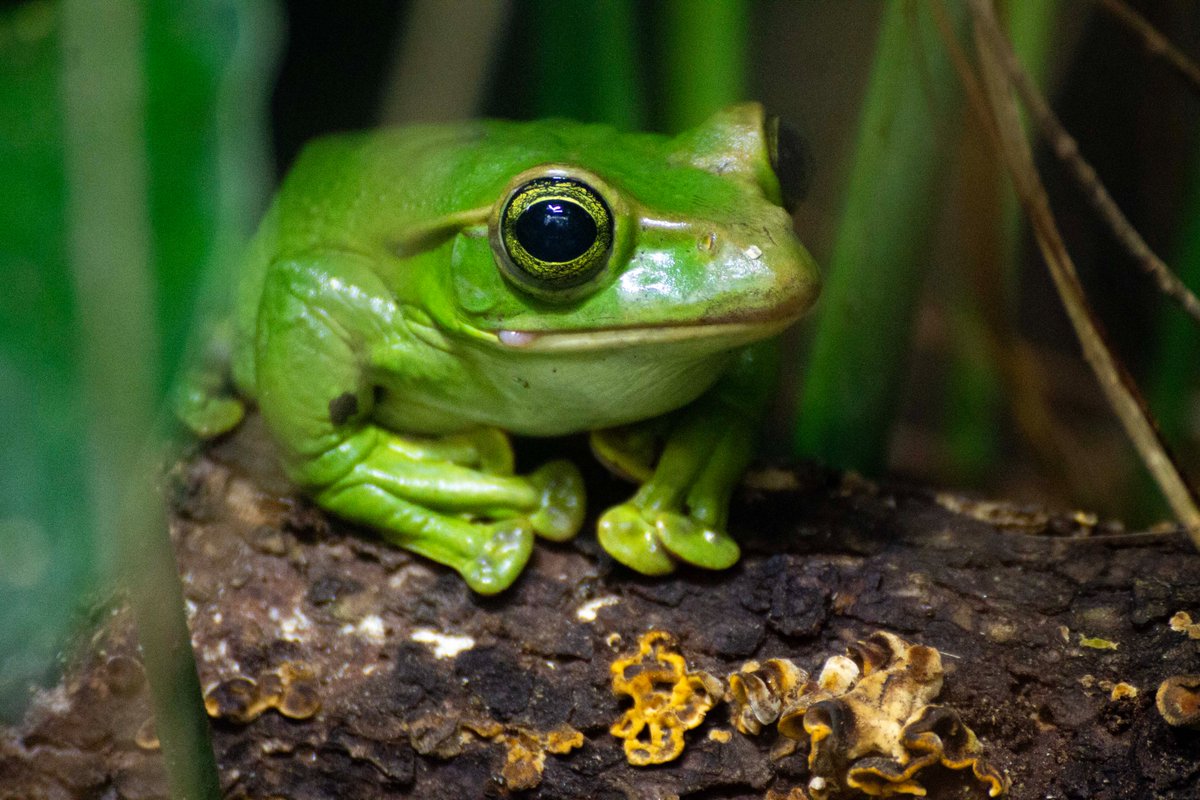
(563, 500)
(495, 451)
(628, 451)
(631, 539)
(505, 552)
(209, 416)
(694, 542)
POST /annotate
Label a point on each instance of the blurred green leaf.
(47, 557)
(206, 64)
(974, 397)
(586, 63)
(864, 320)
(1174, 385)
(704, 49)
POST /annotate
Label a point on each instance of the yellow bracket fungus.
(525, 753)
(525, 749)
(667, 699)
(291, 689)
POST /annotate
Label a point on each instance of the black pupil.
(555, 230)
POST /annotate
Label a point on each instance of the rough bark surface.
(426, 690)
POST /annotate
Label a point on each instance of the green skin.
(390, 355)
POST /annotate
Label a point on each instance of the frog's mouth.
(727, 334)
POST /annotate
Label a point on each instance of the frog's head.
(600, 239)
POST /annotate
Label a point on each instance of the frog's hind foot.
(562, 500)
(506, 549)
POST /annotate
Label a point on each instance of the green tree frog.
(416, 295)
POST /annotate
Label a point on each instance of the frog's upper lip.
(736, 332)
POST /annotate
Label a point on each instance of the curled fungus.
(1178, 700)
(869, 718)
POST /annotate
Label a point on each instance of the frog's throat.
(734, 333)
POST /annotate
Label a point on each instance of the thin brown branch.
(976, 97)
(1155, 43)
(1066, 149)
(1023, 377)
(1115, 381)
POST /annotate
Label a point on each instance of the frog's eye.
(791, 161)
(557, 233)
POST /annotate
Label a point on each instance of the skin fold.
(413, 297)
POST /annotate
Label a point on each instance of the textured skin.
(387, 351)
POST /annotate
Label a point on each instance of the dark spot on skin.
(343, 407)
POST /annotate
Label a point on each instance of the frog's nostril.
(791, 160)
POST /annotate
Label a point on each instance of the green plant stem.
(704, 47)
(586, 62)
(857, 364)
(109, 232)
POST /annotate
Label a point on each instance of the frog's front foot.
(505, 551)
(651, 540)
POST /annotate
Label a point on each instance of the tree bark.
(402, 683)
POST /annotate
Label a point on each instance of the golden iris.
(557, 232)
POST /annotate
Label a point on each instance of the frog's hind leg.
(551, 497)
(451, 499)
(487, 449)
(488, 555)
(480, 524)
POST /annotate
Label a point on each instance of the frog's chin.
(723, 334)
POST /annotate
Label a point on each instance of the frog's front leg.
(323, 322)
(680, 511)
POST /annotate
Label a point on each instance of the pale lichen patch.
(772, 479)
(295, 627)
(444, 645)
(372, 627)
(587, 611)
